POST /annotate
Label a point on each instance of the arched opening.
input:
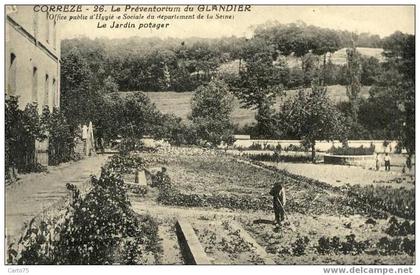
(11, 87)
(47, 89)
(35, 84)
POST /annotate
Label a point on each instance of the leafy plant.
(299, 246)
(99, 228)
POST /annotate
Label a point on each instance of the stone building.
(32, 62)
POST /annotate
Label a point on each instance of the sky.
(381, 20)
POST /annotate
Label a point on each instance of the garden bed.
(355, 160)
(223, 245)
(333, 240)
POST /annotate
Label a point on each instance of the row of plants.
(99, 228)
(371, 199)
(277, 147)
(352, 151)
(396, 201)
(385, 246)
(172, 196)
(276, 157)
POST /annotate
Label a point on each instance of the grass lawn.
(179, 103)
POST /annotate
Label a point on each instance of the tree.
(396, 86)
(109, 85)
(77, 97)
(60, 138)
(312, 116)
(260, 82)
(211, 109)
(353, 88)
(371, 69)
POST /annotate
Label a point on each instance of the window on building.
(47, 29)
(35, 84)
(47, 89)
(54, 34)
(54, 93)
(12, 75)
(35, 24)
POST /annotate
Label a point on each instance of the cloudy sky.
(381, 20)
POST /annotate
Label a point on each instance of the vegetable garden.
(114, 224)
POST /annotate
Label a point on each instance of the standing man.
(387, 159)
(279, 201)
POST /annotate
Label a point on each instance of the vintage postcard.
(228, 134)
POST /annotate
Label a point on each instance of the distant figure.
(408, 163)
(387, 159)
(162, 179)
(279, 201)
(378, 162)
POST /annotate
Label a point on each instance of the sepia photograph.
(228, 134)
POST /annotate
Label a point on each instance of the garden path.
(36, 192)
(338, 175)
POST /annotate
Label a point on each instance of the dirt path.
(338, 175)
(35, 192)
(171, 250)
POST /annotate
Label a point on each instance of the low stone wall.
(364, 161)
(321, 146)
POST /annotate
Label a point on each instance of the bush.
(125, 164)
(22, 129)
(100, 228)
(128, 145)
(255, 146)
(400, 229)
(296, 148)
(60, 137)
(328, 245)
(350, 151)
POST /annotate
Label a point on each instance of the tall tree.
(397, 85)
(77, 97)
(260, 82)
(211, 109)
(311, 116)
(353, 87)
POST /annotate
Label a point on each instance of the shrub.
(351, 151)
(22, 128)
(328, 245)
(299, 246)
(296, 148)
(60, 137)
(400, 229)
(125, 164)
(255, 146)
(100, 228)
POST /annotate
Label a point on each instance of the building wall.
(32, 42)
(32, 39)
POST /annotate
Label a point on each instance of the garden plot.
(336, 240)
(225, 245)
(345, 224)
